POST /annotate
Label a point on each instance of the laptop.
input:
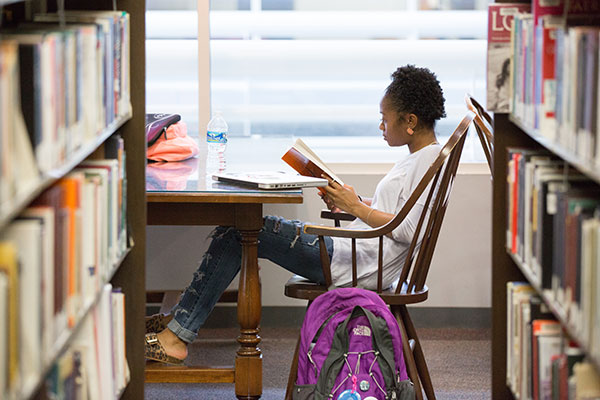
(270, 179)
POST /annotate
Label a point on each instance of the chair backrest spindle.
(483, 126)
(354, 269)
(380, 266)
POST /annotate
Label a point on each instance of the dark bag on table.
(157, 124)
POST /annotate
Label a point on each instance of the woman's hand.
(329, 203)
(341, 197)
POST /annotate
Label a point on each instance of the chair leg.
(418, 354)
(409, 358)
(293, 372)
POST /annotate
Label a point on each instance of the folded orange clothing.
(173, 145)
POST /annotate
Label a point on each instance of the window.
(317, 69)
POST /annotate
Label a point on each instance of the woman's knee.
(283, 226)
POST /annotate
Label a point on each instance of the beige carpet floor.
(459, 361)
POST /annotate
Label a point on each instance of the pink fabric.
(169, 175)
(174, 145)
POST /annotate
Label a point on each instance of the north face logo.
(361, 330)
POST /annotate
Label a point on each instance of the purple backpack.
(351, 349)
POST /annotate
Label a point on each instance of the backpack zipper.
(309, 354)
(313, 342)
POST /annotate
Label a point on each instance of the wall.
(460, 273)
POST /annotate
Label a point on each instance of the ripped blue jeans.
(280, 240)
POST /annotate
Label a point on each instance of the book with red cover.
(515, 201)
(301, 158)
(542, 8)
(546, 18)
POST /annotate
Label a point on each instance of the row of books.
(542, 363)
(95, 366)
(563, 104)
(67, 84)
(553, 229)
(554, 77)
(55, 257)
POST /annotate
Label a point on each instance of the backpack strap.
(382, 342)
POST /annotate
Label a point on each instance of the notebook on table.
(269, 180)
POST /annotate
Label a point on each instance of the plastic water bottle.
(216, 142)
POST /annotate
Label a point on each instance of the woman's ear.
(412, 123)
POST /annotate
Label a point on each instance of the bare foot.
(174, 346)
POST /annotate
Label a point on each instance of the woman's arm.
(371, 216)
(346, 199)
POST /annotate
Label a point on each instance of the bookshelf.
(128, 270)
(47, 179)
(63, 341)
(512, 131)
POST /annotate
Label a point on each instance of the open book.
(307, 163)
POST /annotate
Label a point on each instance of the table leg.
(248, 362)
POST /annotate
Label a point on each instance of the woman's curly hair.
(417, 91)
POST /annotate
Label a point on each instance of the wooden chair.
(410, 288)
(483, 126)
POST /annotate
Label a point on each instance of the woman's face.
(393, 125)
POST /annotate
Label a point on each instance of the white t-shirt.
(391, 194)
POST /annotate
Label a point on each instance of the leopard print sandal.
(157, 323)
(156, 352)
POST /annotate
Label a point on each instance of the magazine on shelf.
(500, 17)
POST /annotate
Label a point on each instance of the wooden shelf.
(556, 308)
(64, 341)
(45, 181)
(589, 170)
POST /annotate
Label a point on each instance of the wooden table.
(179, 194)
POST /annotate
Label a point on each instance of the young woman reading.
(410, 107)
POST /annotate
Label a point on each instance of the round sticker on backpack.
(349, 395)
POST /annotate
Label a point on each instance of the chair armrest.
(338, 216)
(321, 230)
